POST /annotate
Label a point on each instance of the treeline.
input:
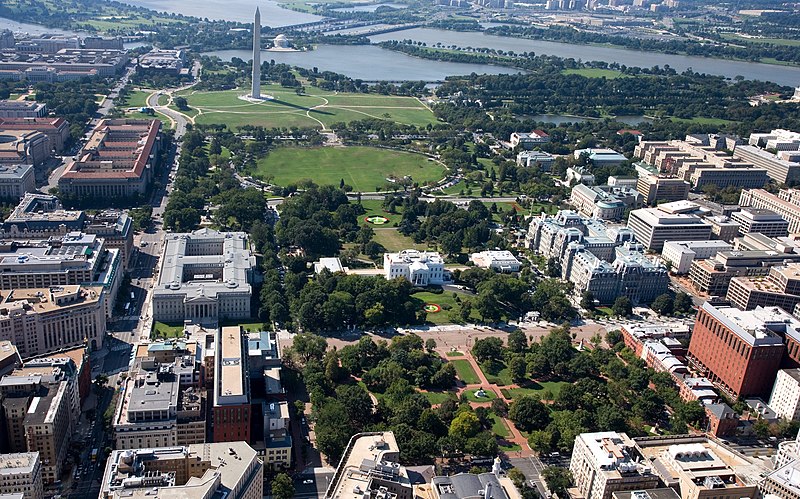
(566, 34)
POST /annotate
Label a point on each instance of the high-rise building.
(231, 410)
(740, 351)
(760, 221)
(786, 204)
(780, 288)
(654, 226)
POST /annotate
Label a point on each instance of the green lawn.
(465, 372)
(509, 446)
(136, 98)
(444, 300)
(363, 168)
(774, 41)
(609, 74)
(163, 330)
(499, 427)
(315, 108)
(436, 398)
(497, 373)
(393, 240)
(455, 354)
(489, 395)
(375, 207)
(534, 389)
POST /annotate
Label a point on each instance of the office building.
(654, 226)
(605, 462)
(550, 236)
(65, 64)
(9, 357)
(779, 170)
(162, 404)
(499, 261)
(21, 473)
(657, 188)
(162, 61)
(700, 468)
(22, 109)
(779, 288)
(630, 274)
(368, 467)
(43, 320)
(102, 42)
(541, 159)
(701, 161)
(604, 202)
(761, 221)
(740, 351)
(681, 254)
(783, 483)
(24, 147)
(579, 175)
(622, 181)
(199, 471)
(420, 268)
(41, 216)
(206, 276)
(785, 398)
(786, 204)
(601, 157)
(72, 259)
(722, 227)
(331, 264)
(231, 409)
(55, 129)
(118, 161)
(528, 140)
(15, 181)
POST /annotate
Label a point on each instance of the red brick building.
(740, 351)
(232, 410)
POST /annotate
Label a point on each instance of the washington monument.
(256, 92)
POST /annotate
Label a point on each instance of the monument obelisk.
(256, 92)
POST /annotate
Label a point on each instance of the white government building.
(420, 268)
(205, 276)
(500, 261)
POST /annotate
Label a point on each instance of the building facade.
(21, 473)
(232, 411)
(785, 398)
(760, 221)
(16, 180)
(420, 268)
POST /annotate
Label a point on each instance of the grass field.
(609, 74)
(363, 168)
(444, 300)
(773, 41)
(163, 330)
(454, 354)
(499, 427)
(465, 372)
(375, 207)
(136, 98)
(535, 389)
(497, 373)
(316, 108)
(436, 398)
(393, 240)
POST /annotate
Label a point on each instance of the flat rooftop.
(230, 388)
(19, 463)
(755, 327)
(369, 449)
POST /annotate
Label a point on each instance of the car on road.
(308, 481)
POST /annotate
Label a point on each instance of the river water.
(368, 62)
(272, 14)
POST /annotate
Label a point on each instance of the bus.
(94, 455)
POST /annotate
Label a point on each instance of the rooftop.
(756, 327)
(230, 374)
(367, 454)
(19, 463)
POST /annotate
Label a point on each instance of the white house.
(421, 268)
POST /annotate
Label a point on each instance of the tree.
(529, 414)
(517, 341)
(430, 345)
(282, 487)
(181, 103)
(587, 300)
(663, 304)
(558, 480)
(464, 426)
(682, 303)
(613, 337)
(622, 306)
(518, 369)
(488, 349)
(309, 346)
